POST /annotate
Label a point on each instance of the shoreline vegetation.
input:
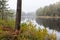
(28, 32)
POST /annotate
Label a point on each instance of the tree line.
(52, 10)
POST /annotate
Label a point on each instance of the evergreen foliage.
(53, 10)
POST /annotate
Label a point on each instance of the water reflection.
(52, 23)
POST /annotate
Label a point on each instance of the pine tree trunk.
(18, 15)
(2, 15)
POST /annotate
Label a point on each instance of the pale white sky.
(31, 5)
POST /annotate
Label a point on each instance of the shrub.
(28, 32)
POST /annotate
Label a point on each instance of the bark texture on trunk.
(18, 15)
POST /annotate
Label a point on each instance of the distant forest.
(52, 10)
(29, 16)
